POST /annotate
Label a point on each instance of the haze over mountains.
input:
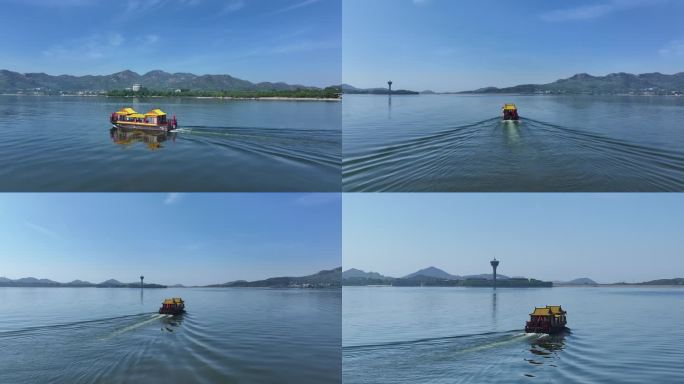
(12, 82)
(436, 276)
(612, 84)
(322, 279)
(349, 89)
(432, 276)
(33, 282)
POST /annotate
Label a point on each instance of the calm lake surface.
(100, 335)
(562, 143)
(66, 144)
(473, 335)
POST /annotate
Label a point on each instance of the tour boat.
(510, 112)
(173, 306)
(155, 119)
(549, 319)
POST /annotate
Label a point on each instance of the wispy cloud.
(594, 11)
(89, 47)
(292, 7)
(234, 6)
(672, 48)
(55, 4)
(173, 198)
(140, 6)
(43, 230)
(96, 47)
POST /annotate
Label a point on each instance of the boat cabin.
(510, 112)
(549, 319)
(154, 119)
(172, 306)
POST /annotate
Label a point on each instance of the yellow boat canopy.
(556, 310)
(136, 115)
(510, 107)
(156, 112)
(175, 300)
(541, 312)
(126, 111)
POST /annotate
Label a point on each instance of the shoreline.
(274, 98)
(554, 286)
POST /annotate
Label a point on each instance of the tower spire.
(494, 263)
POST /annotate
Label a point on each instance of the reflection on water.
(127, 137)
(230, 146)
(473, 335)
(511, 131)
(458, 143)
(171, 323)
(546, 347)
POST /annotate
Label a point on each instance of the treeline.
(304, 93)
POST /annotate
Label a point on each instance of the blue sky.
(607, 237)
(296, 41)
(447, 45)
(169, 238)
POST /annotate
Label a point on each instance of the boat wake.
(73, 325)
(527, 155)
(489, 338)
(136, 324)
(319, 147)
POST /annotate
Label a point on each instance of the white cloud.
(292, 7)
(115, 39)
(43, 230)
(150, 39)
(173, 198)
(589, 12)
(672, 48)
(234, 6)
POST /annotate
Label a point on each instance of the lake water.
(66, 144)
(475, 335)
(562, 143)
(89, 335)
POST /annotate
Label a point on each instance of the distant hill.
(486, 276)
(33, 282)
(357, 277)
(357, 273)
(675, 281)
(432, 272)
(611, 84)
(12, 82)
(578, 281)
(323, 279)
(351, 90)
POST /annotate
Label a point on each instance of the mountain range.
(432, 276)
(12, 82)
(323, 279)
(612, 84)
(33, 282)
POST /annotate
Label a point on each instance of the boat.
(549, 319)
(510, 112)
(155, 119)
(172, 306)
